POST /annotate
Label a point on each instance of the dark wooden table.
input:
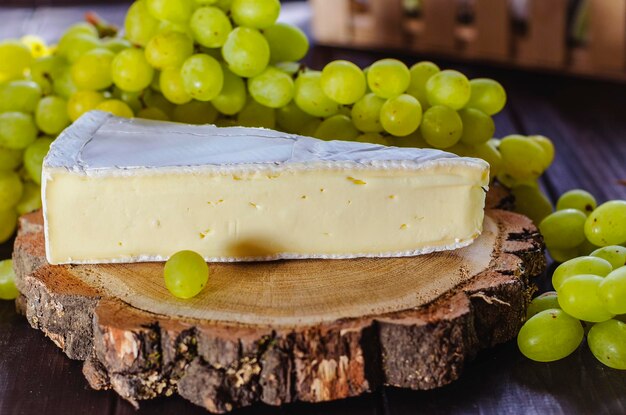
(586, 120)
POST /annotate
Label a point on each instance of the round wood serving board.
(276, 332)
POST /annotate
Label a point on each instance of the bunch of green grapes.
(589, 289)
(229, 62)
(579, 226)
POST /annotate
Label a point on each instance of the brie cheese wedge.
(119, 190)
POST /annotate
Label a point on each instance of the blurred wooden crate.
(490, 35)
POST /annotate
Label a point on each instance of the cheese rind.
(118, 190)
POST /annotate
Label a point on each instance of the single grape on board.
(186, 273)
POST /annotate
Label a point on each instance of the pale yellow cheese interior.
(151, 214)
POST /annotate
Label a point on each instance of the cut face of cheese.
(118, 190)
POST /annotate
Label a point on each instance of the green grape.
(82, 101)
(246, 51)
(450, 88)
(607, 342)
(72, 47)
(414, 140)
(168, 49)
(401, 115)
(343, 82)
(612, 291)
(366, 113)
(140, 26)
(577, 199)
(373, 138)
(195, 112)
(205, 2)
(578, 297)
(615, 254)
(487, 95)
(309, 128)
(233, 95)
(522, 157)
(420, 74)
(336, 127)
(15, 58)
(441, 126)
(8, 223)
(563, 228)
(563, 255)
(582, 265)
(258, 14)
(17, 130)
(36, 45)
(344, 110)
(290, 68)
(51, 115)
(488, 152)
(30, 200)
(10, 189)
(550, 335)
(33, 158)
(10, 159)
(8, 291)
(606, 225)
(291, 118)
(531, 202)
(82, 28)
(478, 127)
(133, 99)
(155, 85)
(310, 97)
(116, 44)
(172, 86)
(210, 27)
(254, 114)
(542, 302)
(176, 11)
(131, 71)
(186, 273)
(20, 96)
(116, 107)
(157, 100)
(286, 42)
(92, 71)
(548, 148)
(63, 85)
(45, 69)
(586, 248)
(223, 4)
(388, 78)
(202, 77)
(152, 113)
(272, 88)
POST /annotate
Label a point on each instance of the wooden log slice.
(284, 331)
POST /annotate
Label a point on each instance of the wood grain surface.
(584, 118)
(288, 331)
